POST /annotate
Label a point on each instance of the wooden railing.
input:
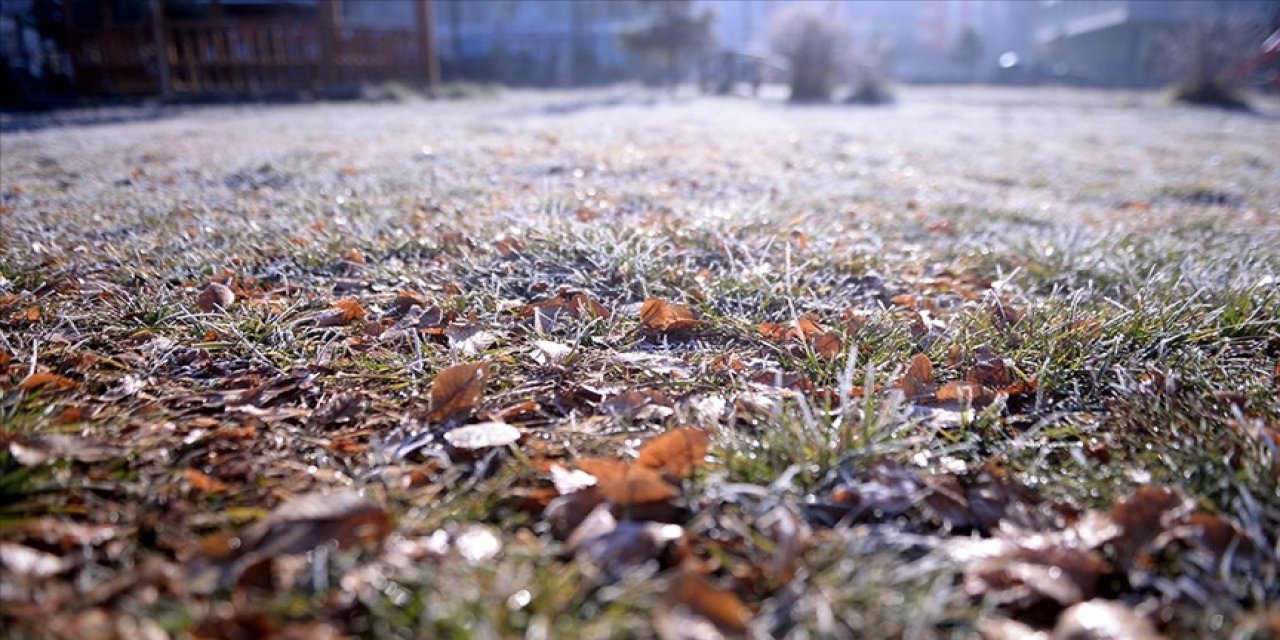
(262, 56)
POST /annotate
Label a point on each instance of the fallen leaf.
(717, 605)
(800, 329)
(205, 483)
(657, 314)
(571, 304)
(484, 435)
(344, 312)
(828, 346)
(1035, 583)
(905, 300)
(46, 380)
(649, 404)
(805, 329)
(676, 453)
(990, 371)
(626, 484)
(963, 391)
(215, 296)
(305, 522)
(340, 409)
(33, 314)
(615, 547)
(456, 391)
(1142, 518)
(917, 382)
(793, 380)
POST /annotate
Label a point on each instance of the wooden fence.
(255, 56)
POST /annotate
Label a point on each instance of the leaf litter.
(561, 404)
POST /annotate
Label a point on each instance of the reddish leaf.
(906, 300)
(717, 605)
(676, 453)
(657, 314)
(802, 328)
(344, 312)
(204, 482)
(828, 346)
(456, 391)
(990, 371)
(46, 380)
(625, 484)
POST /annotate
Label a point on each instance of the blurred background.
(57, 53)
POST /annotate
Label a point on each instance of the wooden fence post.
(161, 38)
(425, 15)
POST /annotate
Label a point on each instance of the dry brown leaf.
(794, 380)
(627, 484)
(717, 605)
(33, 314)
(828, 346)
(614, 546)
(46, 380)
(990, 371)
(917, 382)
(676, 453)
(344, 312)
(457, 390)
(1142, 518)
(802, 329)
(204, 482)
(404, 301)
(657, 314)
(963, 391)
(215, 296)
(638, 404)
(306, 522)
(905, 300)
(567, 303)
(1036, 582)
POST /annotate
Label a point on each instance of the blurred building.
(1131, 42)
